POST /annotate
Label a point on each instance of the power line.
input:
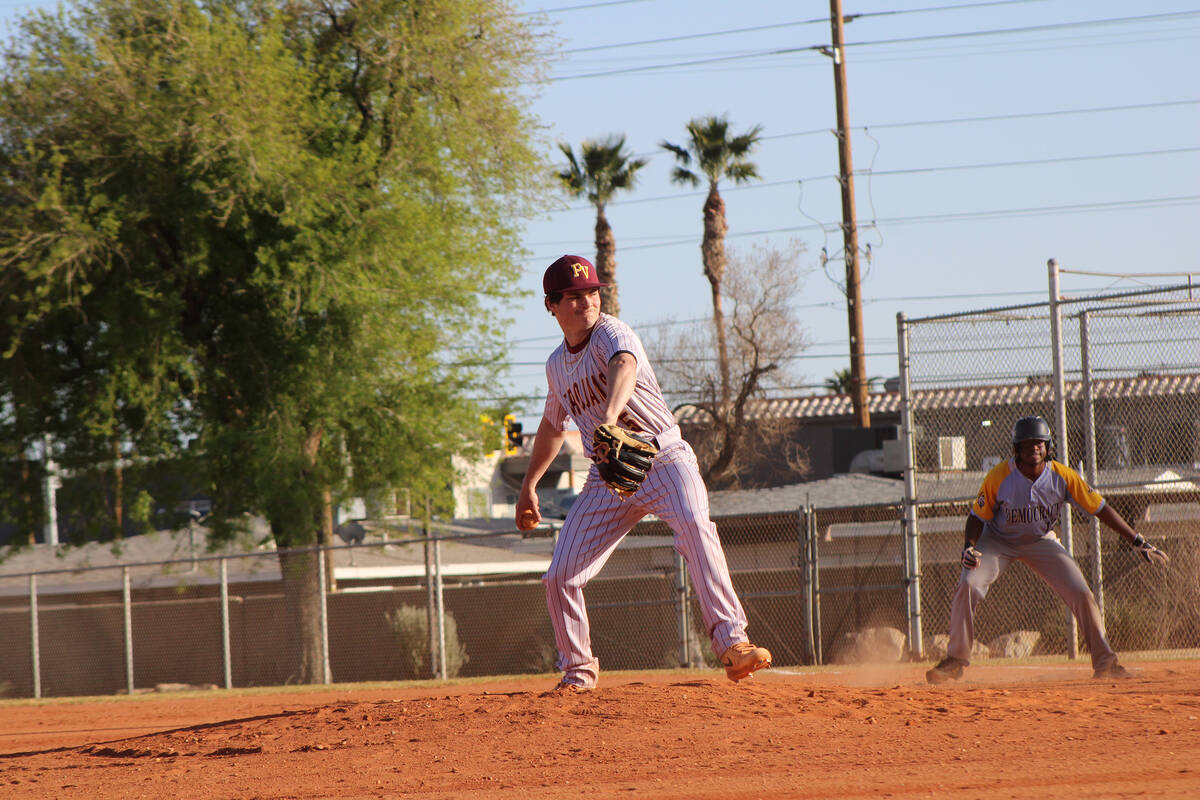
(707, 35)
(512, 343)
(695, 62)
(583, 7)
(1059, 42)
(895, 12)
(1050, 26)
(1029, 45)
(891, 172)
(1056, 26)
(963, 216)
(1030, 115)
(515, 343)
(793, 24)
(1026, 162)
(713, 358)
(1150, 202)
(962, 120)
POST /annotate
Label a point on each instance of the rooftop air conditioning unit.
(952, 452)
(894, 452)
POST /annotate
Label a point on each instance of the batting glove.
(1148, 551)
(970, 557)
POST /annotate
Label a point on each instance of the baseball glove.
(622, 458)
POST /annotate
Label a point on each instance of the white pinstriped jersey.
(1020, 510)
(578, 389)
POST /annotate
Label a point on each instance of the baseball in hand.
(528, 520)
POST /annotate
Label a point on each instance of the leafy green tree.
(601, 170)
(264, 231)
(711, 154)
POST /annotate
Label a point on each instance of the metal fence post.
(1060, 425)
(440, 607)
(815, 584)
(127, 608)
(326, 671)
(681, 611)
(911, 528)
(34, 644)
(806, 597)
(226, 659)
(1089, 444)
(430, 602)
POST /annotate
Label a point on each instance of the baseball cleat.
(744, 658)
(564, 688)
(1111, 671)
(948, 669)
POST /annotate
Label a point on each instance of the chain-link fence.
(814, 584)
(819, 585)
(410, 608)
(1118, 377)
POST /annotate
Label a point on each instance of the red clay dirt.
(1002, 732)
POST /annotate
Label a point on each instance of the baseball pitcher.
(600, 378)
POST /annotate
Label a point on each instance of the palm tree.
(717, 155)
(601, 170)
(842, 381)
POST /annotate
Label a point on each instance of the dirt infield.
(1003, 732)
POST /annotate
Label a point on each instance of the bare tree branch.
(764, 335)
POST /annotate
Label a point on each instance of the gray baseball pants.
(1051, 561)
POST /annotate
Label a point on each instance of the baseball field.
(1005, 731)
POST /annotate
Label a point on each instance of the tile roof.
(1033, 391)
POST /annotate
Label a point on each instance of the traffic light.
(512, 435)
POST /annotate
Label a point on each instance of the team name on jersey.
(591, 390)
(1029, 514)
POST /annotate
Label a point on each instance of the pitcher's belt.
(668, 437)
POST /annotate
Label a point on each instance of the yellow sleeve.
(1078, 489)
(984, 506)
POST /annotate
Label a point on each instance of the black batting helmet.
(1033, 428)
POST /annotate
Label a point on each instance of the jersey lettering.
(1024, 516)
(572, 401)
(587, 392)
(628, 423)
(596, 391)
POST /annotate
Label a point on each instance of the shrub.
(410, 626)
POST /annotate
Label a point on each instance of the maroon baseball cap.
(570, 272)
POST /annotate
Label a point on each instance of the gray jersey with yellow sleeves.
(1018, 510)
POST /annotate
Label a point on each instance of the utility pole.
(858, 368)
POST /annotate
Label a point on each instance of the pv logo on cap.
(570, 272)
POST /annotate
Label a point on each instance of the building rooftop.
(1038, 390)
(857, 489)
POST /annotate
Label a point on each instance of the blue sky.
(952, 222)
(979, 154)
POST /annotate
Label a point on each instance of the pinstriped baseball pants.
(595, 525)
